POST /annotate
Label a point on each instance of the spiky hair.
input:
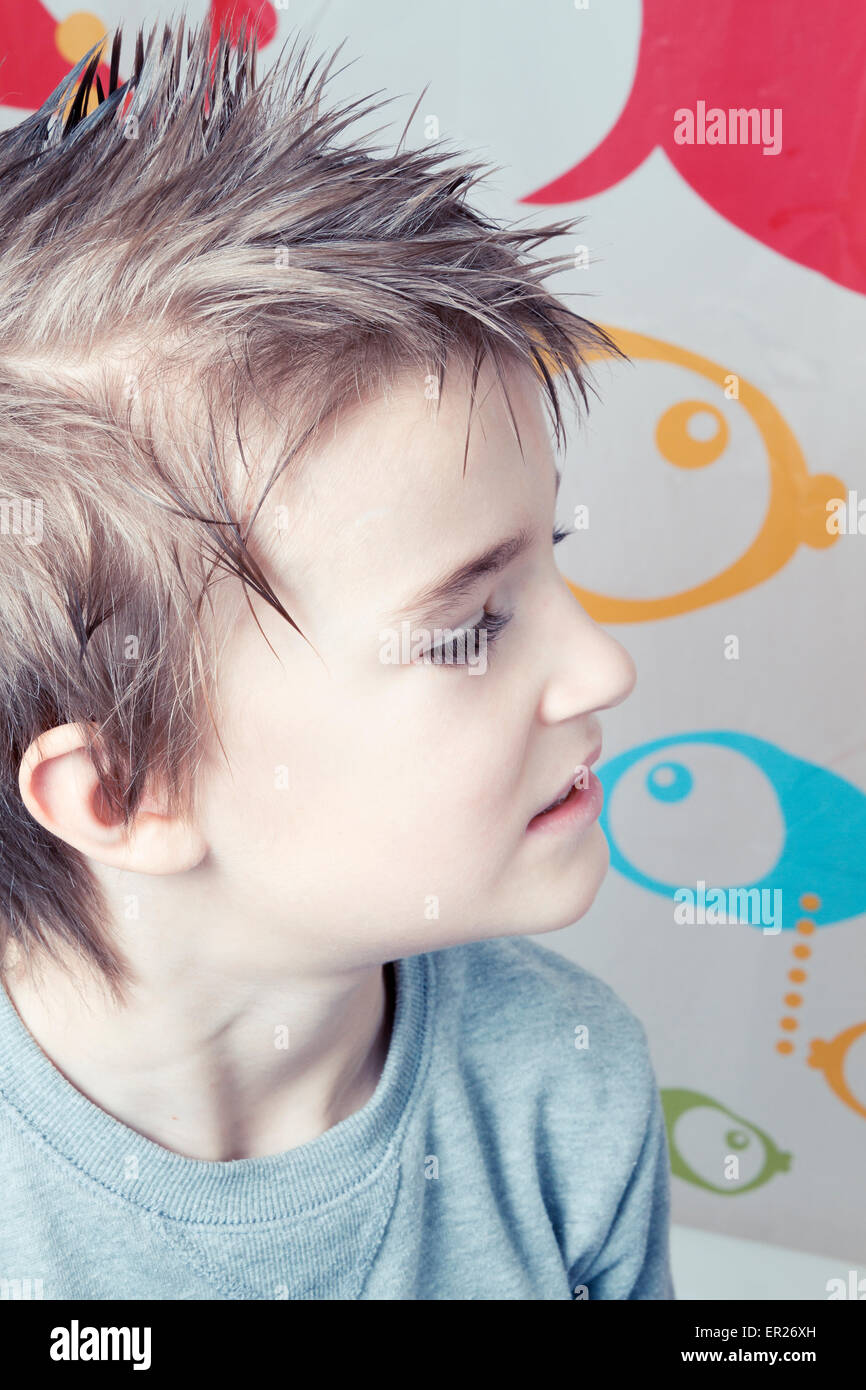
(196, 234)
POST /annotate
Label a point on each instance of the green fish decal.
(715, 1149)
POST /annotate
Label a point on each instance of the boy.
(270, 1026)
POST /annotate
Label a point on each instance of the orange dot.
(810, 901)
(805, 926)
(785, 1045)
(76, 34)
(801, 952)
(73, 37)
(793, 1000)
(789, 1024)
(798, 976)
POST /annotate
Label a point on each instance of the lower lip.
(580, 808)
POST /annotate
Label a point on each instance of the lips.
(567, 786)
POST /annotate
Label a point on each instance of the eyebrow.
(460, 582)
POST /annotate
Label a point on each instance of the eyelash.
(493, 622)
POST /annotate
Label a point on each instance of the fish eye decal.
(673, 810)
(822, 819)
(797, 509)
(715, 1149)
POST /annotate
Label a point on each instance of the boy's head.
(234, 469)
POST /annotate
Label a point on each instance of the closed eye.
(491, 624)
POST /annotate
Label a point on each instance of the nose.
(589, 669)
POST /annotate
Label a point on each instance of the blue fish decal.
(824, 818)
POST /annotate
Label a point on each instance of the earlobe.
(60, 788)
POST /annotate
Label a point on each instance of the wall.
(734, 276)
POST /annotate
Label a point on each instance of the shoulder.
(568, 1024)
(557, 1072)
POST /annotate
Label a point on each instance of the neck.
(213, 1066)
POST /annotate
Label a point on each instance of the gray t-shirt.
(514, 1148)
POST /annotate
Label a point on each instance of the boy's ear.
(60, 788)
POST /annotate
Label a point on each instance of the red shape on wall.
(229, 14)
(808, 201)
(31, 65)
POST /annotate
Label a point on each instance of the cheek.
(456, 774)
(412, 775)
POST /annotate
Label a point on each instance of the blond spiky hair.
(198, 235)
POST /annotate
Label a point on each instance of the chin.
(569, 894)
